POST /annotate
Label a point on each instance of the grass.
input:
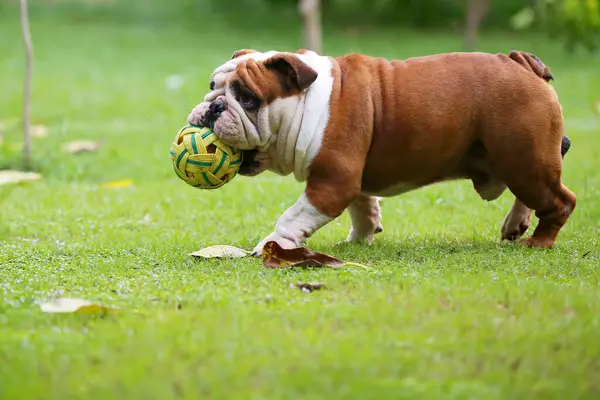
(450, 312)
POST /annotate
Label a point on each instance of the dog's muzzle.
(215, 109)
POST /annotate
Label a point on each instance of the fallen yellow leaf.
(220, 251)
(81, 146)
(74, 305)
(9, 176)
(8, 123)
(146, 220)
(39, 131)
(123, 183)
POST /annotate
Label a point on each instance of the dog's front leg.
(316, 207)
(295, 225)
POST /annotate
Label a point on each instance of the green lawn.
(450, 312)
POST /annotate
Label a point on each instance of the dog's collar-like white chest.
(303, 122)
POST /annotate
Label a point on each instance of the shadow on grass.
(418, 250)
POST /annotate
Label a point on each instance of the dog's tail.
(565, 145)
(532, 63)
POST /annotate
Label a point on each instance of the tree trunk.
(540, 11)
(310, 11)
(27, 92)
(476, 10)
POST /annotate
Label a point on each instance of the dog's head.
(250, 97)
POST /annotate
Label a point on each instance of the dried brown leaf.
(81, 146)
(9, 176)
(274, 256)
(308, 286)
(569, 311)
(220, 251)
(74, 305)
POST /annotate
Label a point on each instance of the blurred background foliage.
(576, 23)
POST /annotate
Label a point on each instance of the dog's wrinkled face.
(249, 97)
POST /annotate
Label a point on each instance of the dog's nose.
(217, 107)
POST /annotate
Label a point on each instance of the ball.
(202, 160)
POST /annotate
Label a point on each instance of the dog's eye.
(247, 100)
(212, 85)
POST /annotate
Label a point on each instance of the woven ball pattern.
(202, 160)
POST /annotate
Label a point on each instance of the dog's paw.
(537, 243)
(358, 238)
(274, 237)
(513, 230)
(355, 236)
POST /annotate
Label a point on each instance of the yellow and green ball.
(202, 160)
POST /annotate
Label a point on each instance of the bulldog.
(357, 129)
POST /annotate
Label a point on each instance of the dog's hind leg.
(365, 215)
(518, 219)
(553, 207)
(516, 222)
(534, 177)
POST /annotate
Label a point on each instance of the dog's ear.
(296, 72)
(239, 53)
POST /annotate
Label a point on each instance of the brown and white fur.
(357, 128)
